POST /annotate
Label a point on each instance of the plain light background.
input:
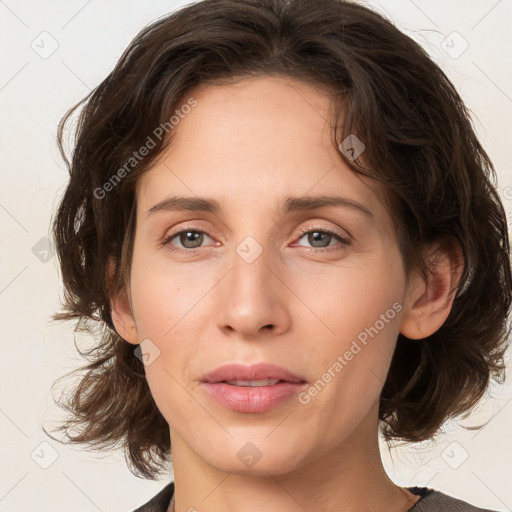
(53, 54)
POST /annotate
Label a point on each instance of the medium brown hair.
(420, 144)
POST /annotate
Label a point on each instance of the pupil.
(191, 236)
(316, 236)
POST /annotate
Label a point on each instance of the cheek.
(343, 300)
(166, 296)
(357, 323)
(350, 371)
(171, 310)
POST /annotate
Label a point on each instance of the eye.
(321, 238)
(189, 239)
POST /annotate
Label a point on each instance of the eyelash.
(301, 233)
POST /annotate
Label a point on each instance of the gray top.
(431, 501)
(436, 501)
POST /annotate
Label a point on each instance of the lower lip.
(251, 399)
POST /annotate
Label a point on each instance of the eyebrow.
(291, 204)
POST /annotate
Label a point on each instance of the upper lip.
(261, 371)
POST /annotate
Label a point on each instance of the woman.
(281, 215)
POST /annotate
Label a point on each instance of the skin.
(249, 145)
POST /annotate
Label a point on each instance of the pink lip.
(251, 399)
(259, 371)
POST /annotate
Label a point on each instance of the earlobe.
(429, 302)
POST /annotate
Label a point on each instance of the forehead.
(252, 143)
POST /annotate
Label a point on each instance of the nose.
(254, 299)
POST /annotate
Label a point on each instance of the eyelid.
(191, 227)
(343, 241)
(342, 234)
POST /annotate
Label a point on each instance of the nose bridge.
(253, 254)
(252, 262)
(254, 294)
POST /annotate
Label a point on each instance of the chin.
(254, 458)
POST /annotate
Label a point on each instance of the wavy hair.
(420, 144)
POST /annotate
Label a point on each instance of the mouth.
(256, 375)
(251, 389)
(253, 383)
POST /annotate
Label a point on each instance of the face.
(315, 289)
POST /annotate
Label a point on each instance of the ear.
(428, 303)
(121, 312)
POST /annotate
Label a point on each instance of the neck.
(348, 477)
